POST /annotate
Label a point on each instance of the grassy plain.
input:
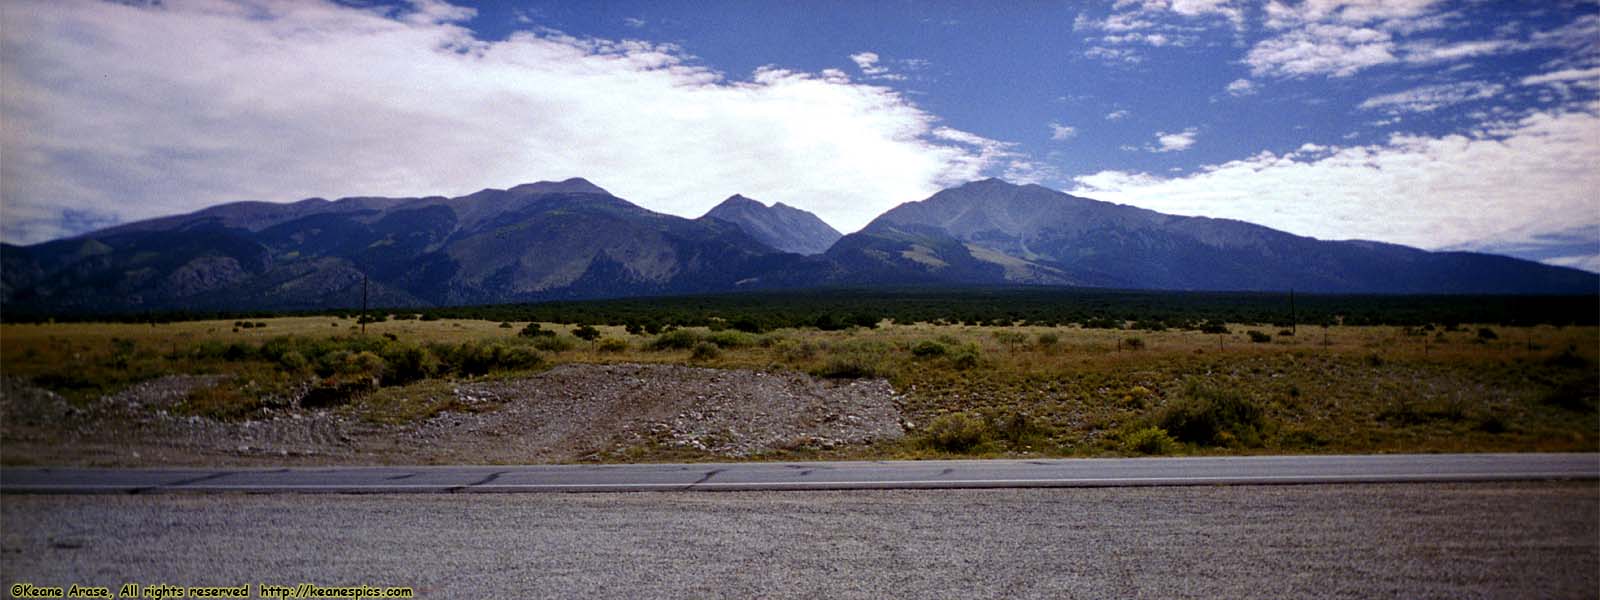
(967, 390)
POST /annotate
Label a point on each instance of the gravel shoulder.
(1358, 541)
(570, 413)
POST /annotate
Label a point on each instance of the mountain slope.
(780, 226)
(1046, 234)
(547, 240)
(572, 239)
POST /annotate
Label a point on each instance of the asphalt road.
(818, 475)
(1519, 539)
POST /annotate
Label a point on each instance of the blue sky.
(1444, 125)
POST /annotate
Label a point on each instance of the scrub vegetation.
(1107, 386)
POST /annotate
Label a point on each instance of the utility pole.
(363, 304)
(1294, 319)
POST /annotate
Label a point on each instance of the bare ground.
(574, 412)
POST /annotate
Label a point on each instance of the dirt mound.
(575, 412)
(572, 412)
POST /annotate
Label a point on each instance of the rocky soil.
(574, 412)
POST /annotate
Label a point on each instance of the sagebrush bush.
(553, 343)
(848, 366)
(704, 351)
(955, 432)
(586, 332)
(1258, 337)
(964, 359)
(796, 350)
(1211, 415)
(731, 339)
(479, 358)
(928, 349)
(222, 402)
(677, 339)
(408, 362)
(1015, 429)
(1148, 440)
(613, 345)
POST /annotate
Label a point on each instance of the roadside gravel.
(1500, 540)
(570, 413)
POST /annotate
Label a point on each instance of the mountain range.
(572, 239)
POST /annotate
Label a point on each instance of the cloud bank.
(1507, 187)
(115, 113)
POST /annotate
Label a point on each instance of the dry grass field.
(962, 390)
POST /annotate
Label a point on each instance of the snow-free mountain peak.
(575, 185)
(780, 226)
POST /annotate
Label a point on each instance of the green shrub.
(1010, 338)
(1258, 337)
(1148, 440)
(955, 432)
(731, 339)
(704, 351)
(479, 358)
(1211, 415)
(586, 332)
(222, 402)
(928, 349)
(1016, 429)
(532, 331)
(748, 325)
(613, 345)
(868, 321)
(1134, 343)
(677, 339)
(1486, 334)
(1149, 325)
(848, 366)
(795, 351)
(553, 343)
(409, 362)
(1048, 340)
(363, 364)
(293, 361)
(964, 359)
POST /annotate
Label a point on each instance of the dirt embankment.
(574, 412)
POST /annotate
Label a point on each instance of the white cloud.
(1431, 51)
(1151, 23)
(1589, 262)
(872, 68)
(1174, 142)
(1430, 97)
(1584, 77)
(115, 113)
(1059, 132)
(1114, 55)
(1392, 13)
(868, 63)
(634, 22)
(1321, 49)
(1534, 178)
(1241, 87)
(1117, 115)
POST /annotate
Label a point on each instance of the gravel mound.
(581, 412)
(574, 412)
